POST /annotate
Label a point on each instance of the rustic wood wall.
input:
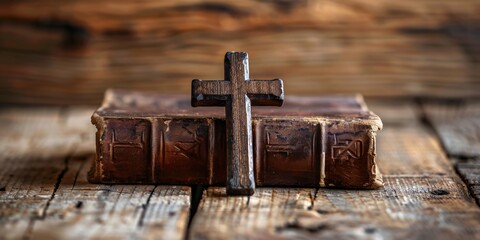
(69, 52)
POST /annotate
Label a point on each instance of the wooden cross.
(238, 93)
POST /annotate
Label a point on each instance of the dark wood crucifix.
(238, 93)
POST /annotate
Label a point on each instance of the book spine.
(184, 151)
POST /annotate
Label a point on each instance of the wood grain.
(407, 207)
(256, 216)
(422, 198)
(34, 147)
(411, 150)
(470, 173)
(44, 193)
(405, 146)
(70, 54)
(81, 210)
(457, 123)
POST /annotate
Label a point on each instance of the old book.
(150, 138)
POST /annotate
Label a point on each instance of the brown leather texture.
(150, 138)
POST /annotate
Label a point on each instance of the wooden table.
(428, 152)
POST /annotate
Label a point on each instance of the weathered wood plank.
(405, 146)
(470, 173)
(33, 149)
(410, 150)
(43, 132)
(422, 198)
(44, 191)
(81, 210)
(72, 53)
(457, 123)
(220, 216)
(28, 187)
(143, 17)
(408, 207)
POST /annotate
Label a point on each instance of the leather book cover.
(151, 138)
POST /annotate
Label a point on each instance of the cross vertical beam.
(238, 93)
(240, 179)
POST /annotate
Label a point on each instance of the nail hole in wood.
(439, 192)
(79, 205)
(370, 230)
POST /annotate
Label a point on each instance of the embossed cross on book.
(238, 93)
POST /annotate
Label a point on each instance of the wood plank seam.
(43, 215)
(422, 198)
(44, 193)
(29, 231)
(145, 208)
(436, 113)
(196, 196)
(57, 185)
(314, 220)
(473, 185)
(85, 160)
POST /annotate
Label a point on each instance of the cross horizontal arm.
(216, 92)
(210, 93)
(265, 92)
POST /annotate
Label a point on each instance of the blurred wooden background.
(69, 52)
